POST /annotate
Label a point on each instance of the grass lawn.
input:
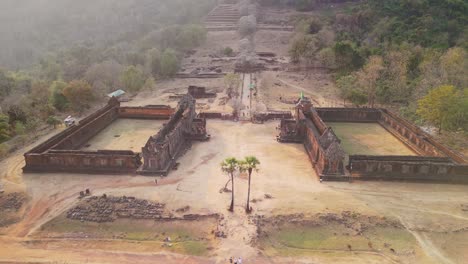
(369, 139)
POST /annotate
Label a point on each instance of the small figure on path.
(239, 261)
(156, 181)
(230, 260)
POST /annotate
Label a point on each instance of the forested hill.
(430, 23)
(29, 28)
(59, 57)
(406, 54)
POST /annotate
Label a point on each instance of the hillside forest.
(60, 57)
(406, 55)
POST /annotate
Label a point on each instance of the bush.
(169, 63)
(20, 128)
(4, 128)
(133, 79)
(57, 99)
(53, 121)
(357, 97)
(79, 94)
(228, 51)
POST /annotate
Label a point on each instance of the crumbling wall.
(60, 154)
(418, 140)
(409, 134)
(260, 117)
(436, 163)
(409, 168)
(74, 161)
(362, 115)
(89, 129)
(198, 92)
(147, 112)
(162, 150)
(217, 115)
(290, 131)
(65, 134)
(320, 142)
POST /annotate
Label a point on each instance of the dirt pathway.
(240, 232)
(245, 105)
(426, 244)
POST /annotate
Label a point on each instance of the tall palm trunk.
(232, 193)
(247, 209)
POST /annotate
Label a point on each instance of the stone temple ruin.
(62, 153)
(308, 126)
(434, 162)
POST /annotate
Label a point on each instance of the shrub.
(228, 51)
(169, 63)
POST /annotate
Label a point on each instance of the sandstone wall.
(146, 112)
(409, 168)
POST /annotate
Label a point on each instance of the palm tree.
(229, 166)
(249, 164)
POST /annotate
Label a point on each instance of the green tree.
(299, 47)
(347, 56)
(79, 94)
(458, 112)
(169, 63)
(39, 97)
(357, 97)
(249, 164)
(53, 121)
(20, 128)
(17, 113)
(133, 79)
(4, 128)
(153, 62)
(437, 106)
(232, 81)
(57, 99)
(228, 51)
(455, 66)
(368, 76)
(191, 36)
(150, 84)
(230, 166)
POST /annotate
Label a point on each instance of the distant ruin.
(61, 153)
(434, 162)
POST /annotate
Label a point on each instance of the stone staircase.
(224, 17)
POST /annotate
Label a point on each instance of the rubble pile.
(108, 209)
(11, 202)
(355, 222)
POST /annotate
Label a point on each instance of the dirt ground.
(278, 90)
(124, 134)
(368, 139)
(431, 213)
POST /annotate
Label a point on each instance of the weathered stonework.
(321, 143)
(61, 152)
(162, 150)
(434, 163)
